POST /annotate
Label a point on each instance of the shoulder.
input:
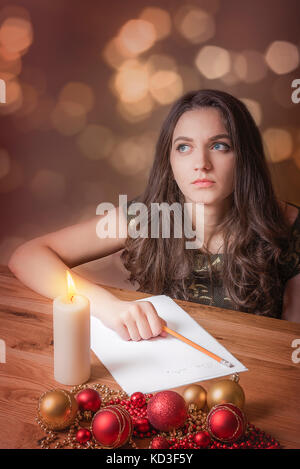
(291, 212)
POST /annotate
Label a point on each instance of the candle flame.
(71, 289)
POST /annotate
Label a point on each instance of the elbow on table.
(16, 259)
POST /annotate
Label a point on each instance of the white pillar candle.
(71, 334)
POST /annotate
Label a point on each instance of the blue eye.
(221, 146)
(180, 146)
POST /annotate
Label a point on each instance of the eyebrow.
(215, 137)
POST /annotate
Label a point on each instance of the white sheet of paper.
(161, 362)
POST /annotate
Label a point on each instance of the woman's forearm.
(42, 270)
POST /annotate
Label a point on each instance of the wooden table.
(263, 345)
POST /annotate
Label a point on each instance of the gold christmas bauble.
(225, 391)
(195, 394)
(57, 409)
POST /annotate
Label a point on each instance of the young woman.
(250, 258)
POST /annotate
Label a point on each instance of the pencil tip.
(226, 363)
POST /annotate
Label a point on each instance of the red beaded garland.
(142, 424)
(138, 399)
(254, 438)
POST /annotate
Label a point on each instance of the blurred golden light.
(165, 86)
(96, 141)
(129, 157)
(132, 81)
(4, 162)
(213, 62)
(230, 79)
(9, 68)
(114, 55)
(279, 144)
(13, 179)
(14, 10)
(136, 36)
(48, 186)
(282, 57)
(14, 98)
(8, 56)
(16, 34)
(190, 78)
(254, 108)
(160, 19)
(77, 92)
(68, 118)
(250, 66)
(39, 118)
(137, 111)
(160, 62)
(282, 91)
(195, 25)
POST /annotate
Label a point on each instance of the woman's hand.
(134, 320)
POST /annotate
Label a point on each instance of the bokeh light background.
(89, 83)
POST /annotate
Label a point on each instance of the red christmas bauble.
(141, 424)
(138, 399)
(226, 422)
(159, 442)
(167, 410)
(202, 439)
(83, 435)
(89, 399)
(112, 426)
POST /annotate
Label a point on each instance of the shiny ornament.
(88, 399)
(202, 439)
(195, 394)
(83, 435)
(138, 399)
(226, 422)
(167, 410)
(225, 391)
(112, 426)
(159, 442)
(57, 409)
(142, 425)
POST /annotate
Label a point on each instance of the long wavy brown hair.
(255, 231)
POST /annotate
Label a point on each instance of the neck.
(214, 214)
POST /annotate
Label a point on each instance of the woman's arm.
(41, 264)
(291, 300)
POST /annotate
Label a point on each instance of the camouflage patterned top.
(202, 291)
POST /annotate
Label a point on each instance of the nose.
(202, 160)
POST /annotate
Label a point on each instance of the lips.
(202, 180)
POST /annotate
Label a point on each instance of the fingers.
(140, 321)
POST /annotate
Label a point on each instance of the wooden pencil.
(198, 347)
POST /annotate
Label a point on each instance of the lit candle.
(71, 333)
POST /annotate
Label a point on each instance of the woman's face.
(202, 149)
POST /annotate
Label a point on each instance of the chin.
(202, 198)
